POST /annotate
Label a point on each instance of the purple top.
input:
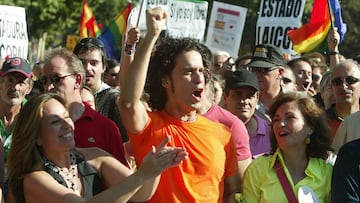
(260, 140)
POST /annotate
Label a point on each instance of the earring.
(164, 83)
(307, 140)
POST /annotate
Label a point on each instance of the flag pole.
(138, 19)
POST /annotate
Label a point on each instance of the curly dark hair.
(320, 144)
(163, 61)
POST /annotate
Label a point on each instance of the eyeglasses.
(286, 80)
(349, 80)
(88, 41)
(262, 70)
(54, 79)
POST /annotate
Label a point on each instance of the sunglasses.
(286, 80)
(88, 41)
(349, 80)
(54, 79)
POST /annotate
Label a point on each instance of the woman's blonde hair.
(25, 154)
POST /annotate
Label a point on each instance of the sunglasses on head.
(94, 41)
(88, 41)
(54, 79)
(348, 79)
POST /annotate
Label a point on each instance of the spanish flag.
(312, 36)
(112, 36)
(88, 26)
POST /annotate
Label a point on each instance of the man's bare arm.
(131, 108)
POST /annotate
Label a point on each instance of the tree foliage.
(61, 17)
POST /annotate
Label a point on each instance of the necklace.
(69, 175)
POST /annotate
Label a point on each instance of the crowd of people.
(177, 122)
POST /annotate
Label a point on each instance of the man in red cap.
(15, 83)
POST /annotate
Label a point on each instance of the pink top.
(238, 130)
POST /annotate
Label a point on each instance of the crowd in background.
(176, 122)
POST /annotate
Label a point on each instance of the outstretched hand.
(161, 158)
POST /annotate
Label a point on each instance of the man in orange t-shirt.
(175, 83)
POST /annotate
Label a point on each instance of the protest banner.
(225, 28)
(275, 19)
(13, 32)
(186, 18)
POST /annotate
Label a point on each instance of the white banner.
(13, 32)
(186, 18)
(226, 27)
(275, 19)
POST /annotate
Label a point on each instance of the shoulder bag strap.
(284, 182)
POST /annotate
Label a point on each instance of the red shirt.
(93, 129)
(333, 120)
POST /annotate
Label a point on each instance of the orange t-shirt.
(212, 158)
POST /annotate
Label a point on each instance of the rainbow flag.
(112, 36)
(312, 36)
(88, 25)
